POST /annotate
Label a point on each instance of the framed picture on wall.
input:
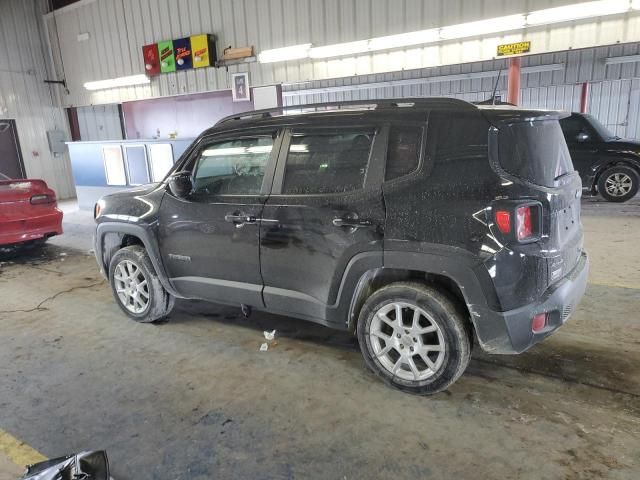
(240, 87)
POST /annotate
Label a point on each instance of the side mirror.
(582, 137)
(180, 184)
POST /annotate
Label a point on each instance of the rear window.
(535, 151)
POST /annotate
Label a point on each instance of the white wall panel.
(119, 28)
(99, 122)
(26, 97)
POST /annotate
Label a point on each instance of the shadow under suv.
(421, 225)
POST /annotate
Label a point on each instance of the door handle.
(353, 223)
(240, 219)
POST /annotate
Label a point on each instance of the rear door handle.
(353, 223)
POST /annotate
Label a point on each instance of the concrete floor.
(194, 398)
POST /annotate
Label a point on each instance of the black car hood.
(134, 192)
(133, 204)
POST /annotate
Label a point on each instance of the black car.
(607, 164)
(421, 225)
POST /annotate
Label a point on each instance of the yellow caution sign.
(517, 48)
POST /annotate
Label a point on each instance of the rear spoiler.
(25, 183)
(504, 115)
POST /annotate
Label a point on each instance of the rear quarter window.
(403, 152)
(458, 147)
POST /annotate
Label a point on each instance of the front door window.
(234, 167)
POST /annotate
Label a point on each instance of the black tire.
(444, 312)
(609, 175)
(159, 303)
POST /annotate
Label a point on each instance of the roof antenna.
(495, 88)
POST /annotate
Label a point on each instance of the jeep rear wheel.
(136, 287)
(618, 184)
(414, 337)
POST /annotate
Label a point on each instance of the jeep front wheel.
(136, 286)
(414, 337)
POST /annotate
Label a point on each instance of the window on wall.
(321, 163)
(403, 153)
(137, 166)
(114, 165)
(234, 167)
(161, 160)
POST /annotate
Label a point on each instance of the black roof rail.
(420, 102)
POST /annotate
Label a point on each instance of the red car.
(28, 211)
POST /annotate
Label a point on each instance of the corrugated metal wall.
(26, 97)
(118, 28)
(614, 96)
(99, 122)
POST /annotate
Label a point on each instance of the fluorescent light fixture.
(404, 39)
(294, 52)
(577, 11)
(117, 82)
(340, 49)
(483, 27)
(299, 148)
(227, 152)
(260, 149)
(223, 152)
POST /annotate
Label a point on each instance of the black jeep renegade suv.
(418, 224)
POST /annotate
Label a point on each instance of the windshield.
(535, 151)
(3, 176)
(603, 131)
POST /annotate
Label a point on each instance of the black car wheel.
(414, 337)
(618, 184)
(136, 287)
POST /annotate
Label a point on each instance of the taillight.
(518, 221)
(524, 224)
(503, 221)
(538, 322)
(42, 199)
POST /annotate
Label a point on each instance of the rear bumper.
(31, 228)
(510, 332)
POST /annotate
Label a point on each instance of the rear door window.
(331, 162)
(535, 151)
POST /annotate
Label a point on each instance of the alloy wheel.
(618, 184)
(407, 341)
(131, 286)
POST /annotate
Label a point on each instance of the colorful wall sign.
(185, 53)
(151, 59)
(182, 53)
(167, 58)
(203, 49)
